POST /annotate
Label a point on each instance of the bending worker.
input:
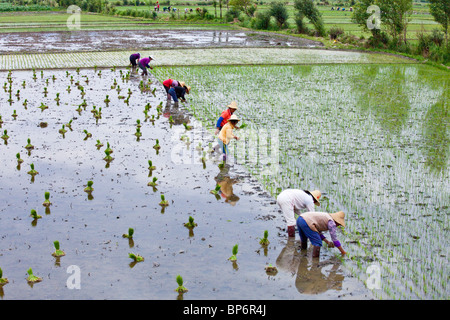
(134, 59)
(311, 225)
(144, 63)
(291, 201)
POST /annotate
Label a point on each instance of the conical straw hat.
(339, 217)
(316, 195)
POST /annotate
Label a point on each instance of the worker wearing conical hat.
(226, 134)
(291, 201)
(225, 116)
(310, 226)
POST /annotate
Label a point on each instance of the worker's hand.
(151, 68)
(342, 251)
(329, 243)
(237, 138)
(217, 131)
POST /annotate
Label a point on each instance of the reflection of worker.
(292, 200)
(289, 257)
(144, 63)
(311, 278)
(134, 59)
(226, 187)
(310, 226)
(225, 115)
(226, 134)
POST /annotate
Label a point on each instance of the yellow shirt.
(226, 134)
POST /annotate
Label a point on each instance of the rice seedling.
(138, 123)
(107, 100)
(32, 278)
(153, 182)
(157, 146)
(5, 135)
(58, 252)
(151, 167)
(43, 106)
(89, 186)
(108, 148)
(19, 160)
(1, 121)
(130, 233)
(271, 270)
(163, 201)
(99, 144)
(138, 132)
(63, 130)
(29, 146)
(264, 241)
(136, 257)
(3, 280)
(190, 223)
(25, 103)
(14, 115)
(32, 172)
(34, 215)
(69, 124)
(234, 253)
(88, 135)
(47, 202)
(180, 289)
(187, 127)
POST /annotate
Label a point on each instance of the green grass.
(56, 21)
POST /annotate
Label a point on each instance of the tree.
(309, 10)
(279, 12)
(440, 10)
(395, 15)
(243, 5)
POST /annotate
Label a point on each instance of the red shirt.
(225, 116)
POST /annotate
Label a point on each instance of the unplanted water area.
(76, 41)
(90, 226)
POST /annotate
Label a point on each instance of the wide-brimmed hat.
(183, 84)
(234, 117)
(339, 217)
(233, 105)
(316, 195)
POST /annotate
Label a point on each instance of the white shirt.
(291, 201)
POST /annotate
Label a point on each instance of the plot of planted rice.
(375, 139)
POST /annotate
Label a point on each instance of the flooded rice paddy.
(77, 41)
(90, 225)
(374, 139)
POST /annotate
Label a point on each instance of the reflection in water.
(436, 133)
(313, 276)
(226, 183)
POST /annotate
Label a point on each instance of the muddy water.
(90, 228)
(22, 42)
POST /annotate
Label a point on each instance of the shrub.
(262, 20)
(335, 32)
